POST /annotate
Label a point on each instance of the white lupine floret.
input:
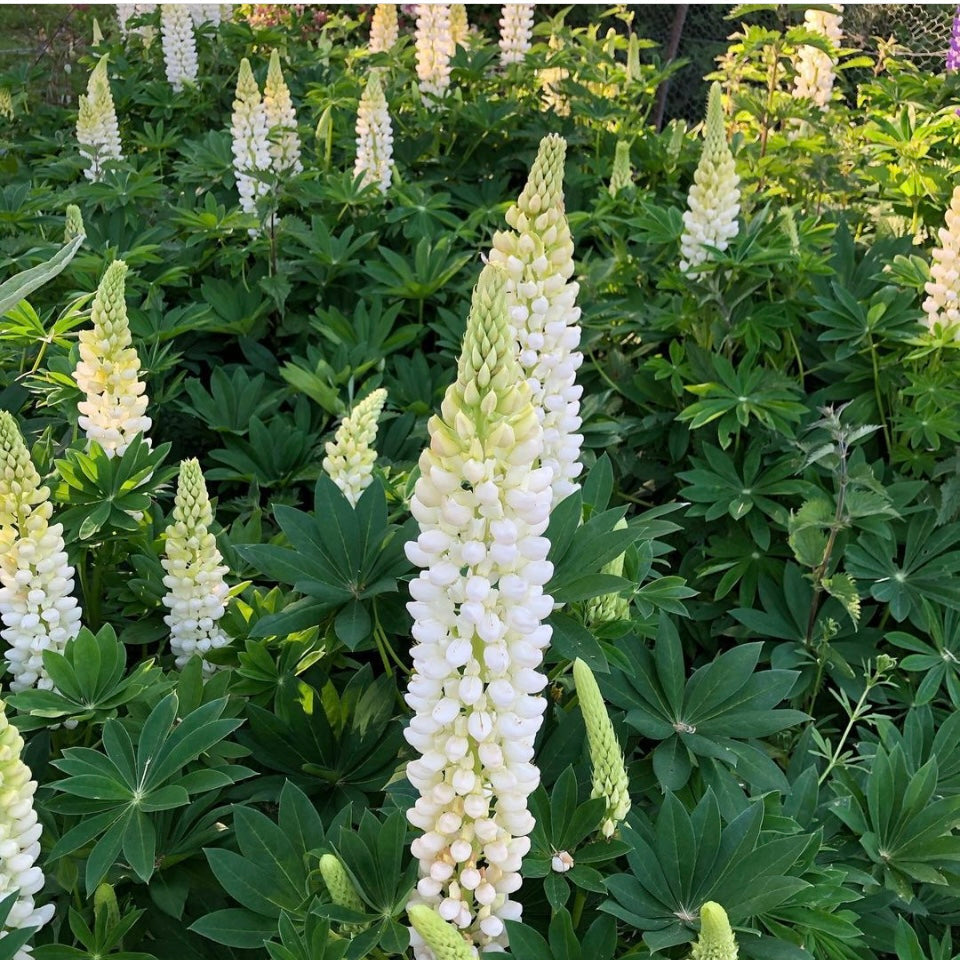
(351, 454)
(281, 121)
(197, 593)
(115, 407)
(374, 137)
(816, 69)
(482, 502)
(942, 305)
(251, 148)
(537, 255)
(516, 31)
(179, 45)
(37, 608)
(434, 47)
(713, 203)
(202, 13)
(384, 28)
(97, 131)
(20, 833)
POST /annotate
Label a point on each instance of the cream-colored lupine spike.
(179, 45)
(942, 305)
(97, 131)
(516, 31)
(281, 121)
(351, 454)
(384, 29)
(374, 136)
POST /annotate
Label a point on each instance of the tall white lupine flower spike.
(815, 69)
(21, 832)
(384, 29)
(459, 24)
(374, 136)
(942, 305)
(36, 581)
(537, 255)
(179, 44)
(115, 408)
(97, 132)
(351, 455)
(281, 119)
(197, 593)
(126, 11)
(714, 198)
(435, 46)
(251, 149)
(621, 176)
(482, 502)
(202, 13)
(516, 31)
(226, 12)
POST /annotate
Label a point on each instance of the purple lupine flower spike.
(953, 54)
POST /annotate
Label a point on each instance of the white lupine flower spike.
(115, 408)
(537, 255)
(516, 31)
(97, 132)
(281, 120)
(459, 24)
(816, 69)
(434, 47)
(374, 136)
(251, 148)
(384, 29)
(942, 305)
(197, 593)
(21, 832)
(714, 198)
(37, 608)
(351, 455)
(202, 13)
(126, 11)
(179, 45)
(482, 502)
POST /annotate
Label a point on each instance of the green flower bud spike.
(339, 885)
(74, 224)
(716, 940)
(443, 939)
(610, 606)
(609, 771)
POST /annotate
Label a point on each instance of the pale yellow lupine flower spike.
(351, 455)
(442, 939)
(97, 131)
(609, 772)
(716, 940)
(281, 119)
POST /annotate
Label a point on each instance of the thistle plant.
(537, 255)
(621, 176)
(459, 24)
(516, 31)
(714, 198)
(434, 47)
(953, 53)
(251, 148)
(384, 29)
(351, 455)
(179, 45)
(432, 932)
(114, 410)
(97, 131)
(281, 121)
(374, 137)
(942, 305)
(815, 68)
(37, 608)
(610, 779)
(482, 502)
(716, 940)
(197, 593)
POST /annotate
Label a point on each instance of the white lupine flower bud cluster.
(97, 131)
(384, 29)
(374, 136)
(942, 305)
(482, 502)
(351, 455)
(202, 13)
(251, 148)
(179, 45)
(537, 256)
(36, 581)
(815, 69)
(127, 11)
(714, 198)
(19, 837)
(434, 47)
(281, 118)
(115, 408)
(516, 30)
(197, 592)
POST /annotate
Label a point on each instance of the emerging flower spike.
(482, 502)
(516, 30)
(374, 137)
(384, 29)
(339, 885)
(21, 832)
(621, 176)
(197, 594)
(431, 932)
(179, 45)
(716, 940)
(459, 25)
(351, 456)
(97, 130)
(281, 120)
(73, 226)
(610, 779)
(36, 581)
(611, 606)
(953, 54)
(714, 198)
(251, 150)
(114, 411)
(942, 305)
(544, 317)
(97, 33)
(815, 69)
(434, 43)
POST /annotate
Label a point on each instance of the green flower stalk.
(74, 224)
(351, 455)
(442, 939)
(716, 940)
(621, 175)
(114, 410)
(610, 779)
(611, 606)
(97, 131)
(339, 885)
